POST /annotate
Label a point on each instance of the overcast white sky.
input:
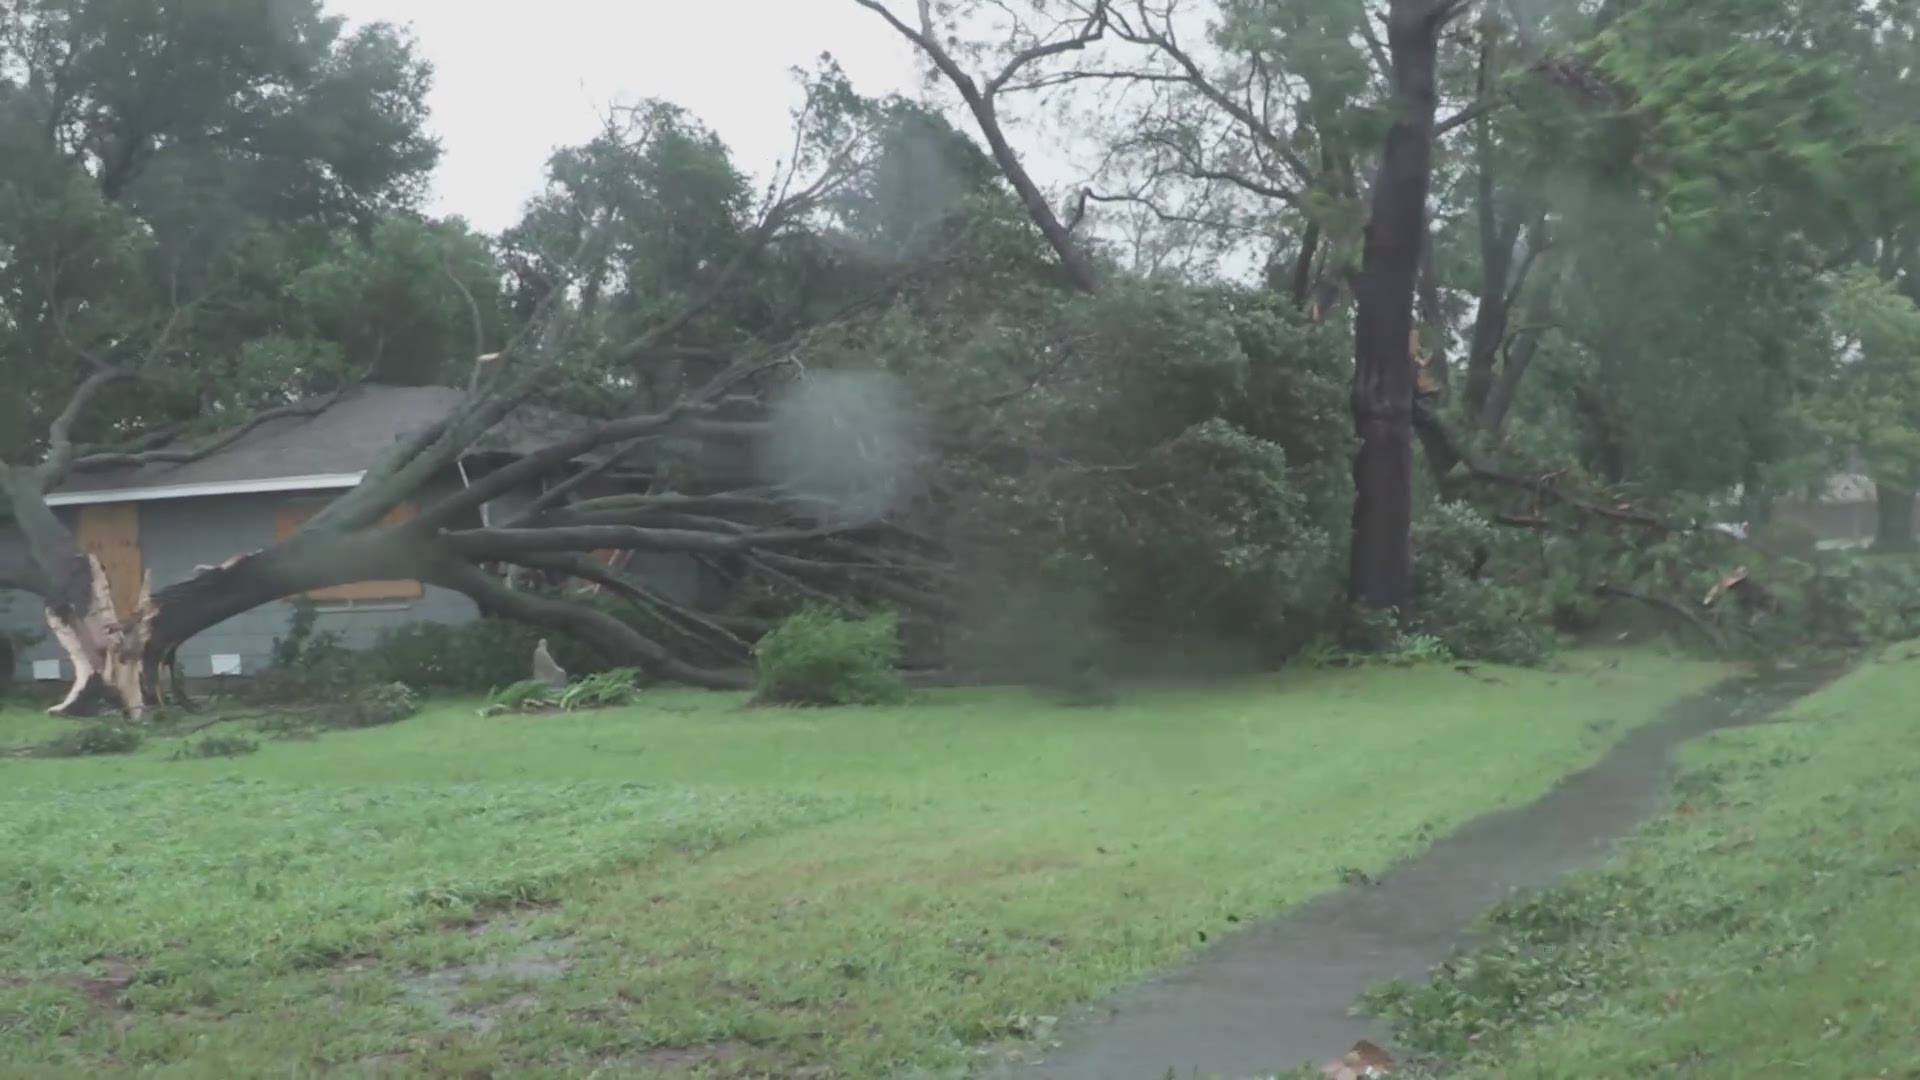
(514, 81)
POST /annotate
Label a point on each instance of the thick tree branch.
(631, 589)
(506, 545)
(980, 102)
(1517, 353)
(1092, 28)
(60, 449)
(1481, 108)
(683, 418)
(876, 583)
(558, 492)
(1262, 134)
(1545, 489)
(112, 459)
(18, 570)
(617, 640)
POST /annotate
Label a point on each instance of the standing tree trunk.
(1380, 570)
(1518, 351)
(1894, 527)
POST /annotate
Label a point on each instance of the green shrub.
(1461, 606)
(466, 658)
(304, 646)
(1368, 638)
(378, 706)
(92, 741)
(816, 658)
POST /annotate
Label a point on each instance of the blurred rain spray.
(847, 439)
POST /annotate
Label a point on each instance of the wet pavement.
(1278, 996)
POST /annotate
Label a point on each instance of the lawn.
(1766, 927)
(695, 886)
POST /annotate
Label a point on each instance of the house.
(1843, 513)
(175, 520)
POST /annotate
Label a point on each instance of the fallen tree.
(122, 647)
(444, 544)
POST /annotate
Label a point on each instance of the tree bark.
(1497, 240)
(1517, 355)
(1380, 568)
(1893, 530)
(1300, 287)
(980, 98)
(613, 638)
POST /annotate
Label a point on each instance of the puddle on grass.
(445, 993)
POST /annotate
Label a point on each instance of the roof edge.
(311, 482)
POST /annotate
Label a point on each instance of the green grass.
(21, 727)
(696, 886)
(1765, 928)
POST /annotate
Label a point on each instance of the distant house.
(177, 520)
(1843, 513)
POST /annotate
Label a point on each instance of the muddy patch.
(106, 982)
(1278, 996)
(456, 995)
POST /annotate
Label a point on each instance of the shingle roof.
(347, 438)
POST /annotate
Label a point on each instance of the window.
(288, 521)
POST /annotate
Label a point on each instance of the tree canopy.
(1476, 307)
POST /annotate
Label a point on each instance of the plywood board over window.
(110, 532)
(288, 521)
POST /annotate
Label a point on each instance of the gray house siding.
(178, 534)
(19, 612)
(331, 447)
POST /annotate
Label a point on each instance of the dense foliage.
(1671, 276)
(817, 658)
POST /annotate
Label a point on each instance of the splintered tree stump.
(108, 653)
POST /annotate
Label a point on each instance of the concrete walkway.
(1277, 996)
